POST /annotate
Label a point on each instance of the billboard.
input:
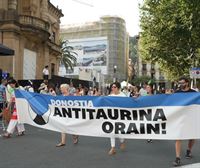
(92, 54)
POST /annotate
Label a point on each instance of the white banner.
(175, 116)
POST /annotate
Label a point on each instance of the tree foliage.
(133, 51)
(138, 81)
(68, 56)
(133, 54)
(171, 35)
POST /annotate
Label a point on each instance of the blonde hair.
(66, 86)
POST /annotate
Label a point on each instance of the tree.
(138, 81)
(133, 53)
(68, 56)
(170, 35)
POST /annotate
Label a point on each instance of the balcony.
(34, 28)
(12, 17)
(161, 78)
(54, 48)
(33, 22)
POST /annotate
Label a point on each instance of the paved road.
(37, 150)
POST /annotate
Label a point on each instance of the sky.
(81, 11)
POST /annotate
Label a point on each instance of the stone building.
(31, 28)
(102, 48)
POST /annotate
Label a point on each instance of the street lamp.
(114, 76)
(100, 80)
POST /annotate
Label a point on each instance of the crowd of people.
(7, 103)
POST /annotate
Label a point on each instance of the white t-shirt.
(45, 71)
(143, 92)
(121, 94)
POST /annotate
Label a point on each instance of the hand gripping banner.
(175, 116)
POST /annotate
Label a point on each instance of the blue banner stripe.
(177, 99)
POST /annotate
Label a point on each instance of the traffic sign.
(195, 72)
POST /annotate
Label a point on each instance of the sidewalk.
(196, 165)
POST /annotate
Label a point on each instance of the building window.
(152, 67)
(144, 67)
(152, 71)
(152, 75)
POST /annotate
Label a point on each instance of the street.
(37, 150)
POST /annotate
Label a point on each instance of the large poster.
(92, 53)
(174, 116)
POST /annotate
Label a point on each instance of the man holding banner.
(183, 88)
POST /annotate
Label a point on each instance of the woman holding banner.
(13, 121)
(115, 91)
(65, 92)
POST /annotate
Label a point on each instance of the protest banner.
(175, 116)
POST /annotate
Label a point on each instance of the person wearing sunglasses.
(115, 90)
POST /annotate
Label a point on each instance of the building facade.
(31, 28)
(151, 70)
(102, 49)
(140, 68)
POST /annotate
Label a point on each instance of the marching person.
(43, 89)
(51, 89)
(150, 92)
(13, 121)
(65, 92)
(72, 89)
(184, 87)
(115, 91)
(143, 91)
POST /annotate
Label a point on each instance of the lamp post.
(114, 75)
(99, 77)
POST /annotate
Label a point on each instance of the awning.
(5, 51)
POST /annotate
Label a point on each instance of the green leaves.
(133, 53)
(170, 35)
(68, 57)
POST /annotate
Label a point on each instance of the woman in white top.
(115, 91)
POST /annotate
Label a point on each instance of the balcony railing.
(34, 22)
(54, 47)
